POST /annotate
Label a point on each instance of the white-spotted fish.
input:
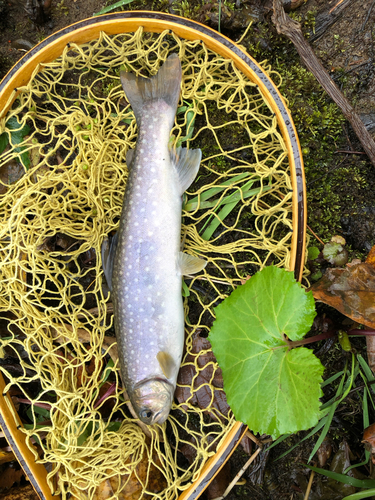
(144, 265)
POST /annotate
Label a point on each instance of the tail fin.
(165, 85)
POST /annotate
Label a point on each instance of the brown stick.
(291, 29)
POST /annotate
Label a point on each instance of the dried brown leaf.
(10, 476)
(371, 257)
(208, 381)
(351, 291)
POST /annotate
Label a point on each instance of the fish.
(143, 264)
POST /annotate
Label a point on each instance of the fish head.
(152, 400)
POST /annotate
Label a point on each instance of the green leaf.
(313, 253)
(3, 141)
(271, 388)
(342, 478)
(17, 135)
(185, 289)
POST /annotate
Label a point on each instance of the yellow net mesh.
(62, 179)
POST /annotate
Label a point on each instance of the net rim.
(120, 22)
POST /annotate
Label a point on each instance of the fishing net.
(62, 179)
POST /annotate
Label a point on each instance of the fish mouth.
(152, 400)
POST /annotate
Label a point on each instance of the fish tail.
(165, 85)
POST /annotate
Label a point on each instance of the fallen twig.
(291, 29)
(308, 489)
(316, 236)
(239, 474)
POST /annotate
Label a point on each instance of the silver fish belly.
(147, 267)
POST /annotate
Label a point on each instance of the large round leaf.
(270, 387)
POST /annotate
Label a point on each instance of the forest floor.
(340, 179)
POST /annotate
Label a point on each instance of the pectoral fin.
(189, 264)
(108, 256)
(130, 157)
(186, 162)
(167, 363)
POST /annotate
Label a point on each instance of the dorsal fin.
(186, 162)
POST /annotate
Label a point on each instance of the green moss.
(332, 190)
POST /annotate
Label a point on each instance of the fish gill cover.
(59, 203)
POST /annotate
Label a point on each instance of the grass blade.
(227, 199)
(112, 7)
(331, 379)
(279, 440)
(215, 221)
(318, 426)
(360, 494)
(206, 195)
(366, 369)
(357, 483)
(224, 212)
(329, 417)
(366, 423)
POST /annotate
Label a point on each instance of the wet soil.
(340, 185)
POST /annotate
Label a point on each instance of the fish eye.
(146, 414)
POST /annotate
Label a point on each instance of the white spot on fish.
(132, 351)
(130, 266)
(136, 223)
(150, 233)
(141, 150)
(148, 299)
(130, 202)
(154, 203)
(147, 269)
(149, 287)
(147, 356)
(130, 237)
(131, 320)
(152, 169)
(142, 209)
